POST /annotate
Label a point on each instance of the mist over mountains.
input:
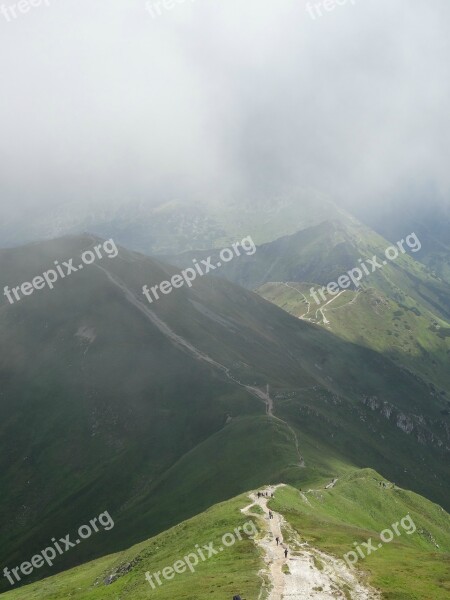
(214, 102)
(225, 300)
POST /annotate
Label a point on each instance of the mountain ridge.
(115, 395)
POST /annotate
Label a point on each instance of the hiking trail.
(198, 354)
(306, 573)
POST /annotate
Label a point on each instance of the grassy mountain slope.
(402, 312)
(322, 253)
(417, 340)
(102, 409)
(411, 566)
(234, 569)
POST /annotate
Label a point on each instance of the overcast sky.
(101, 102)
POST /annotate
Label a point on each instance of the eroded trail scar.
(199, 355)
(305, 572)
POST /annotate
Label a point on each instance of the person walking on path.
(285, 552)
(277, 539)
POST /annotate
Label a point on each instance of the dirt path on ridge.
(307, 573)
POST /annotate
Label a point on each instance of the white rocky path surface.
(306, 573)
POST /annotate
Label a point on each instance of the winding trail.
(308, 307)
(352, 301)
(186, 346)
(306, 573)
(322, 309)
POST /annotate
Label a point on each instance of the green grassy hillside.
(235, 570)
(416, 339)
(411, 567)
(324, 252)
(103, 407)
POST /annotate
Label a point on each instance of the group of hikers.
(277, 539)
(265, 495)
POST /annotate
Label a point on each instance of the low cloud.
(211, 100)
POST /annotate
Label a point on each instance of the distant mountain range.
(177, 225)
(401, 309)
(180, 225)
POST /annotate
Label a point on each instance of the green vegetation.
(101, 410)
(322, 253)
(358, 508)
(412, 338)
(235, 570)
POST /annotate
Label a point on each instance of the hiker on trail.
(259, 494)
(270, 514)
(277, 540)
(285, 553)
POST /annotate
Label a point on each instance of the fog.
(104, 103)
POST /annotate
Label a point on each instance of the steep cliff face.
(417, 425)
